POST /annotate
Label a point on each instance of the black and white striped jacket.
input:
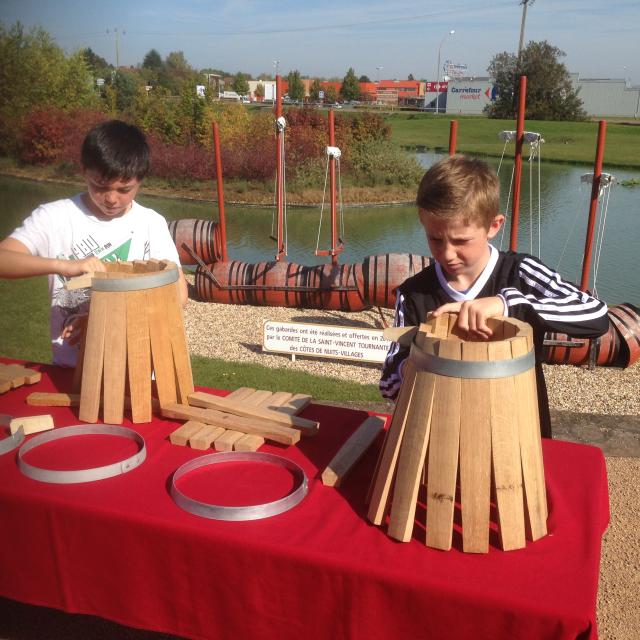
(532, 292)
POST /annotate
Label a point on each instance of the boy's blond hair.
(459, 187)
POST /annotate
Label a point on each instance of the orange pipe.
(223, 224)
(332, 180)
(593, 207)
(279, 173)
(517, 167)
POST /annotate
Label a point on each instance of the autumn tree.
(296, 87)
(330, 94)
(240, 84)
(550, 92)
(314, 90)
(259, 92)
(350, 89)
(364, 79)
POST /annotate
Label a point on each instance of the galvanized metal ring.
(472, 369)
(82, 475)
(136, 283)
(12, 442)
(250, 512)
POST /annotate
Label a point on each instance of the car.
(336, 105)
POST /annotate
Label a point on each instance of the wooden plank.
(225, 441)
(139, 357)
(161, 354)
(248, 442)
(76, 383)
(296, 404)
(79, 282)
(386, 466)
(506, 453)
(257, 397)
(265, 428)
(403, 335)
(276, 400)
(18, 374)
(41, 399)
(181, 435)
(352, 450)
(115, 361)
(444, 444)
(179, 347)
(240, 393)
(239, 408)
(411, 458)
(203, 438)
(93, 358)
(475, 455)
(530, 454)
(31, 424)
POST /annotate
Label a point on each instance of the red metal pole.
(517, 166)
(332, 181)
(223, 224)
(593, 207)
(279, 172)
(453, 136)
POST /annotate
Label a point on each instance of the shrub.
(377, 162)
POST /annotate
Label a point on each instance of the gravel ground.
(234, 333)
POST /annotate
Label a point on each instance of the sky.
(378, 38)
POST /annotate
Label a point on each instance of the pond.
(564, 208)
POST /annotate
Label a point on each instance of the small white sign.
(325, 341)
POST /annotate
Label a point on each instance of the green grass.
(24, 334)
(564, 141)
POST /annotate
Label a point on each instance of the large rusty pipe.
(222, 220)
(517, 165)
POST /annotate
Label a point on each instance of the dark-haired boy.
(73, 236)
(458, 205)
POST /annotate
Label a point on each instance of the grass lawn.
(564, 141)
(24, 334)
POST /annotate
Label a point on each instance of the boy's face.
(109, 198)
(460, 248)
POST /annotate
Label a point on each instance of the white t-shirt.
(66, 229)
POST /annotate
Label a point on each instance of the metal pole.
(453, 137)
(332, 179)
(593, 207)
(279, 173)
(221, 216)
(517, 166)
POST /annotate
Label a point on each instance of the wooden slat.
(225, 441)
(386, 466)
(352, 450)
(257, 397)
(179, 348)
(475, 455)
(240, 393)
(203, 438)
(506, 454)
(242, 408)
(76, 383)
(444, 443)
(267, 429)
(297, 403)
(411, 458)
(161, 353)
(276, 400)
(31, 424)
(18, 375)
(529, 432)
(139, 357)
(94, 358)
(41, 399)
(115, 361)
(248, 442)
(181, 435)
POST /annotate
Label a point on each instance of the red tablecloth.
(121, 549)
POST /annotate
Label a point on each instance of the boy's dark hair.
(460, 187)
(116, 149)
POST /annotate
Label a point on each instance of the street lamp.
(275, 65)
(378, 76)
(438, 74)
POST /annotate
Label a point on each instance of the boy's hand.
(70, 268)
(473, 314)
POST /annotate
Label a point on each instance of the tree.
(364, 79)
(152, 61)
(410, 77)
(296, 87)
(97, 64)
(259, 92)
(240, 84)
(550, 92)
(314, 90)
(330, 93)
(176, 72)
(350, 89)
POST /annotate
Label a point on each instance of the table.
(121, 549)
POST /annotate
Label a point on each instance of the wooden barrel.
(203, 237)
(466, 410)
(618, 347)
(135, 327)
(384, 273)
(281, 284)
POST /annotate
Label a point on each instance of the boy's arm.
(543, 297)
(391, 378)
(182, 288)
(16, 261)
